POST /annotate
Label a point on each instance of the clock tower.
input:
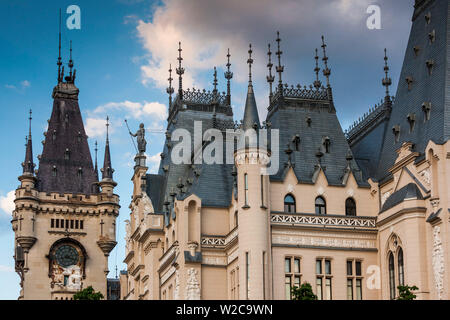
(64, 216)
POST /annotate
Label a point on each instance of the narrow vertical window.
(76, 224)
(264, 274)
(287, 287)
(246, 188)
(289, 204)
(358, 289)
(401, 273)
(350, 207)
(52, 223)
(321, 207)
(297, 265)
(287, 265)
(349, 289)
(81, 224)
(328, 289)
(56, 223)
(349, 268)
(391, 275)
(319, 288)
(318, 266)
(358, 268)
(247, 273)
(327, 267)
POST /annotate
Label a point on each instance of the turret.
(107, 183)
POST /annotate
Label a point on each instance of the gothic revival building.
(353, 213)
(64, 216)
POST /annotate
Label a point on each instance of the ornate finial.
(29, 128)
(215, 81)
(386, 81)
(59, 63)
(107, 129)
(326, 71)
(180, 72)
(70, 62)
(279, 68)
(96, 150)
(170, 89)
(270, 77)
(228, 76)
(317, 83)
(250, 62)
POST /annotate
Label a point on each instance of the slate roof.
(431, 88)
(66, 134)
(408, 192)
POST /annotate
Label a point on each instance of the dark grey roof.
(434, 215)
(66, 134)
(431, 41)
(408, 192)
(28, 165)
(155, 190)
(251, 117)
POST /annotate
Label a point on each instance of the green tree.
(303, 293)
(406, 292)
(88, 294)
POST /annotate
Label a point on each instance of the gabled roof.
(408, 192)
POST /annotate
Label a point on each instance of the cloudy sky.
(122, 53)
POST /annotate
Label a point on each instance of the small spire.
(279, 68)
(71, 78)
(96, 165)
(59, 62)
(228, 76)
(270, 77)
(170, 89)
(180, 72)
(326, 71)
(28, 165)
(386, 81)
(215, 81)
(107, 170)
(317, 83)
(250, 62)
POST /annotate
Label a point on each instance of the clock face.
(66, 256)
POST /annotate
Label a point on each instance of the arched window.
(321, 206)
(350, 207)
(391, 276)
(401, 272)
(289, 204)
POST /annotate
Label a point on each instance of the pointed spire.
(279, 68)
(270, 77)
(96, 164)
(386, 81)
(326, 71)
(251, 117)
(28, 165)
(317, 83)
(170, 89)
(215, 81)
(71, 78)
(59, 62)
(180, 72)
(228, 76)
(107, 170)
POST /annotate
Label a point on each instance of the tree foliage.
(406, 292)
(305, 292)
(88, 294)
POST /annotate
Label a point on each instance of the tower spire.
(270, 77)
(28, 165)
(250, 62)
(317, 83)
(180, 72)
(279, 68)
(228, 76)
(170, 89)
(326, 71)
(107, 170)
(386, 81)
(71, 78)
(59, 62)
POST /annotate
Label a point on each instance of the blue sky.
(122, 52)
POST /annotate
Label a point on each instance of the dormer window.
(54, 135)
(430, 64)
(296, 141)
(428, 18)
(426, 108)
(79, 136)
(308, 121)
(396, 131)
(326, 144)
(412, 121)
(67, 154)
(432, 36)
(66, 118)
(54, 171)
(80, 172)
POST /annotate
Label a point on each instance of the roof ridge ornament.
(59, 62)
(170, 89)
(270, 77)
(228, 75)
(317, 83)
(250, 62)
(180, 72)
(326, 71)
(279, 68)
(387, 81)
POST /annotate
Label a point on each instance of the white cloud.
(136, 110)
(25, 84)
(6, 268)
(153, 162)
(95, 127)
(20, 88)
(7, 202)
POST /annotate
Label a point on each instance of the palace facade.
(354, 213)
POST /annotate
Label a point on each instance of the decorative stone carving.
(128, 234)
(176, 294)
(192, 286)
(74, 282)
(308, 219)
(290, 188)
(426, 176)
(350, 192)
(438, 262)
(385, 196)
(320, 191)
